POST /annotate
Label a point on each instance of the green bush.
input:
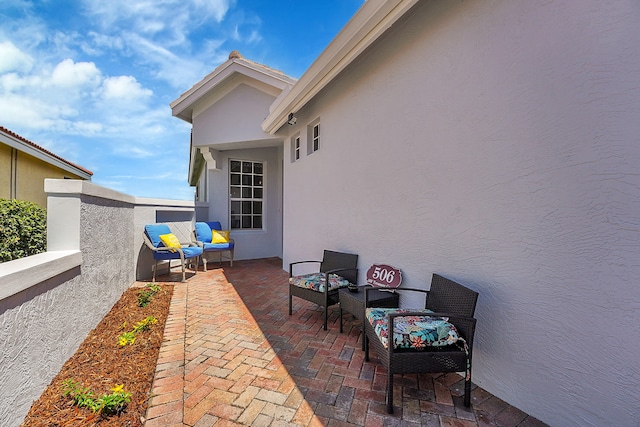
(23, 229)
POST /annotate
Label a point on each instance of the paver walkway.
(233, 356)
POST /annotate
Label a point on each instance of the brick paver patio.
(233, 356)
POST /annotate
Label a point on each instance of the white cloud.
(28, 111)
(12, 59)
(71, 74)
(124, 88)
(153, 17)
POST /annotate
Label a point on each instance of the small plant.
(130, 337)
(126, 338)
(106, 404)
(144, 296)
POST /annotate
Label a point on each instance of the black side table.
(353, 302)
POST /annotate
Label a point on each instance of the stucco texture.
(496, 143)
(41, 327)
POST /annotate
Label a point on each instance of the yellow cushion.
(220, 236)
(170, 241)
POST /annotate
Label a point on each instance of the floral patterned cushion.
(316, 281)
(416, 332)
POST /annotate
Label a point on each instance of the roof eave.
(373, 19)
(20, 143)
(183, 106)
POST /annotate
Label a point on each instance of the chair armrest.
(291, 264)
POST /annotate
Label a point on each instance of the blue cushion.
(155, 230)
(215, 225)
(203, 232)
(218, 246)
(189, 252)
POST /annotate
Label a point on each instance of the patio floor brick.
(233, 356)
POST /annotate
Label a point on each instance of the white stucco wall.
(49, 302)
(497, 143)
(234, 117)
(43, 325)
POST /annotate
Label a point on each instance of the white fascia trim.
(23, 273)
(40, 155)
(239, 66)
(365, 27)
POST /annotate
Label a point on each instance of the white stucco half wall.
(496, 143)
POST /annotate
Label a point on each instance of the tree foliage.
(23, 229)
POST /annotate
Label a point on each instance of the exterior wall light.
(292, 119)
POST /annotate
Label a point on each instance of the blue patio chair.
(153, 237)
(204, 233)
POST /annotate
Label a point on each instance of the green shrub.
(23, 229)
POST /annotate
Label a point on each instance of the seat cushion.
(412, 332)
(189, 252)
(218, 246)
(316, 281)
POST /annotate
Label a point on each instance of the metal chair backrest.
(448, 296)
(332, 260)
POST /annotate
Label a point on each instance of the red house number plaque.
(384, 276)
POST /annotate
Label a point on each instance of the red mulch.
(100, 363)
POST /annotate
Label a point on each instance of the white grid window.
(246, 190)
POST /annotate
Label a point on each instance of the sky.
(92, 80)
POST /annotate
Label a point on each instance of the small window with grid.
(316, 137)
(246, 190)
(295, 148)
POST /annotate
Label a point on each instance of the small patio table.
(353, 302)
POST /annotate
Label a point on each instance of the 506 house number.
(384, 276)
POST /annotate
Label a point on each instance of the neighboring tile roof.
(37, 147)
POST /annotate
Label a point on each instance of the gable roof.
(369, 23)
(258, 75)
(18, 142)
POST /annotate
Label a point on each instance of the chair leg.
(365, 346)
(341, 318)
(467, 387)
(231, 261)
(155, 267)
(184, 277)
(290, 304)
(389, 392)
(326, 318)
(204, 262)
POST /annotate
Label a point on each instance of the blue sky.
(91, 80)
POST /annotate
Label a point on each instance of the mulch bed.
(100, 363)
